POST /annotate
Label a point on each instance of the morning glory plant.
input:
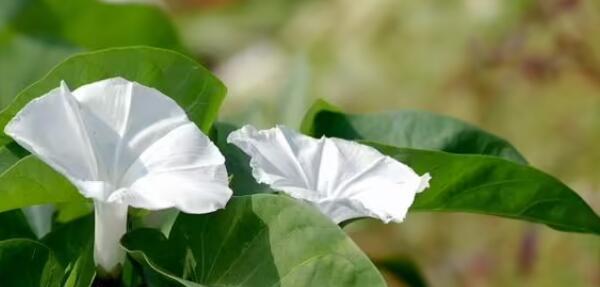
(123, 144)
(343, 179)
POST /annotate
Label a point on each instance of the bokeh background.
(527, 70)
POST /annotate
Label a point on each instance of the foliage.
(258, 240)
(35, 35)
(472, 170)
(261, 238)
(410, 129)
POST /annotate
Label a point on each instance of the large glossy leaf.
(409, 129)
(189, 84)
(31, 182)
(258, 240)
(26, 263)
(35, 35)
(238, 163)
(495, 186)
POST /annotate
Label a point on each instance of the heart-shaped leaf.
(258, 240)
(495, 186)
(409, 129)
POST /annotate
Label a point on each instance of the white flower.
(123, 144)
(341, 178)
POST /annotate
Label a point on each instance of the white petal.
(184, 169)
(281, 159)
(342, 178)
(39, 218)
(123, 119)
(51, 128)
(119, 135)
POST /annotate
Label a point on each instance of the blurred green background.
(528, 71)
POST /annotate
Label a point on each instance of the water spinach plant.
(146, 188)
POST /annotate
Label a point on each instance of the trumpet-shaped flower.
(343, 179)
(123, 144)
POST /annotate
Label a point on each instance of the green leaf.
(237, 162)
(68, 211)
(35, 35)
(69, 240)
(31, 182)
(11, 154)
(192, 86)
(72, 243)
(84, 23)
(83, 270)
(132, 275)
(258, 240)
(495, 186)
(27, 263)
(13, 224)
(24, 59)
(409, 129)
(38, 218)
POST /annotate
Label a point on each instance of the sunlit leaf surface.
(31, 182)
(491, 185)
(258, 240)
(410, 129)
